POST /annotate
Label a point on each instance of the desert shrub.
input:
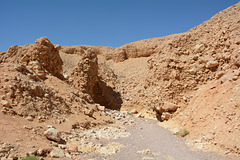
(129, 113)
(183, 133)
(31, 158)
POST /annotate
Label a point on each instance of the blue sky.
(100, 22)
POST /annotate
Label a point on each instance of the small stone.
(220, 74)
(5, 103)
(29, 118)
(28, 127)
(134, 111)
(65, 76)
(101, 108)
(3, 97)
(52, 134)
(89, 112)
(40, 152)
(139, 115)
(234, 78)
(199, 48)
(49, 126)
(158, 109)
(176, 130)
(57, 153)
(62, 146)
(72, 147)
(211, 64)
(165, 116)
(192, 71)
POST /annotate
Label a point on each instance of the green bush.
(129, 113)
(31, 158)
(183, 133)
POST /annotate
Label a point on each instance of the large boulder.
(53, 134)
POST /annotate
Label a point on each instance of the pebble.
(211, 64)
(29, 118)
(5, 103)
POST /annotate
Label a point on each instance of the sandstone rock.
(117, 54)
(45, 53)
(211, 64)
(57, 153)
(28, 127)
(40, 152)
(101, 108)
(29, 118)
(165, 116)
(52, 134)
(220, 74)
(5, 103)
(62, 146)
(72, 147)
(199, 48)
(89, 112)
(192, 71)
(6, 147)
(65, 76)
(169, 107)
(158, 109)
(234, 78)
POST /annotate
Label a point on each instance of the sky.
(100, 22)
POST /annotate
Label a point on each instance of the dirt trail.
(150, 141)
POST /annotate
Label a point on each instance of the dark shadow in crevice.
(106, 96)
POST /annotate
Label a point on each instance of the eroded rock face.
(47, 55)
(85, 75)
